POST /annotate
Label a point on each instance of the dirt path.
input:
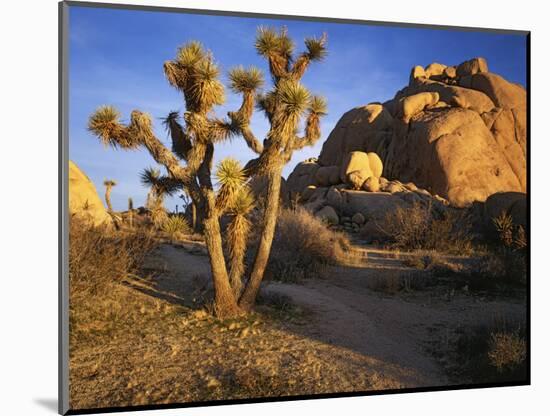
(392, 332)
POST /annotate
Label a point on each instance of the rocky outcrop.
(84, 201)
(363, 199)
(459, 132)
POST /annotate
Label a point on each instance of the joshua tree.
(195, 74)
(108, 183)
(160, 187)
(131, 211)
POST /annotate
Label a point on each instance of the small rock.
(213, 383)
(411, 186)
(334, 197)
(308, 192)
(394, 187)
(329, 215)
(200, 314)
(358, 218)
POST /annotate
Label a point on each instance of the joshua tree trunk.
(197, 215)
(108, 198)
(262, 255)
(194, 216)
(225, 303)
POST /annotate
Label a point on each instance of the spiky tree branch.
(317, 109)
(181, 142)
(316, 51)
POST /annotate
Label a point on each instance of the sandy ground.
(394, 332)
(153, 344)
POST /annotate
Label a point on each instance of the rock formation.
(83, 198)
(459, 132)
(361, 197)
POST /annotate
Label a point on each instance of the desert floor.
(335, 333)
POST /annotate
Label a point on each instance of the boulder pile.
(457, 131)
(358, 197)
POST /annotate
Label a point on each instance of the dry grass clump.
(99, 256)
(421, 227)
(99, 261)
(433, 262)
(507, 350)
(491, 353)
(303, 246)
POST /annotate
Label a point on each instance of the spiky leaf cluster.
(269, 41)
(318, 105)
(316, 47)
(293, 97)
(161, 185)
(195, 73)
(231, 178)
(105, 124)
(245, 79)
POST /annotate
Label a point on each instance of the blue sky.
(116, 58)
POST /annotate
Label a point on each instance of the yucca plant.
(188, 163)
(504, 225)
(160, 186)
(108, 183)
(131, 211)
(176, 226)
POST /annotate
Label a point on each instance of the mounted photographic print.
(263, 208)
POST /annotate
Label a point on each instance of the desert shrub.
(509, 256)
(416, 262)
(176, 226)
(433, 262)
(280, 306)
(303, 246)
(158, 215)
(507, 350)
(491, 353)
(422, 227)
(99, 256)
(100, 259)
(505, 260)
